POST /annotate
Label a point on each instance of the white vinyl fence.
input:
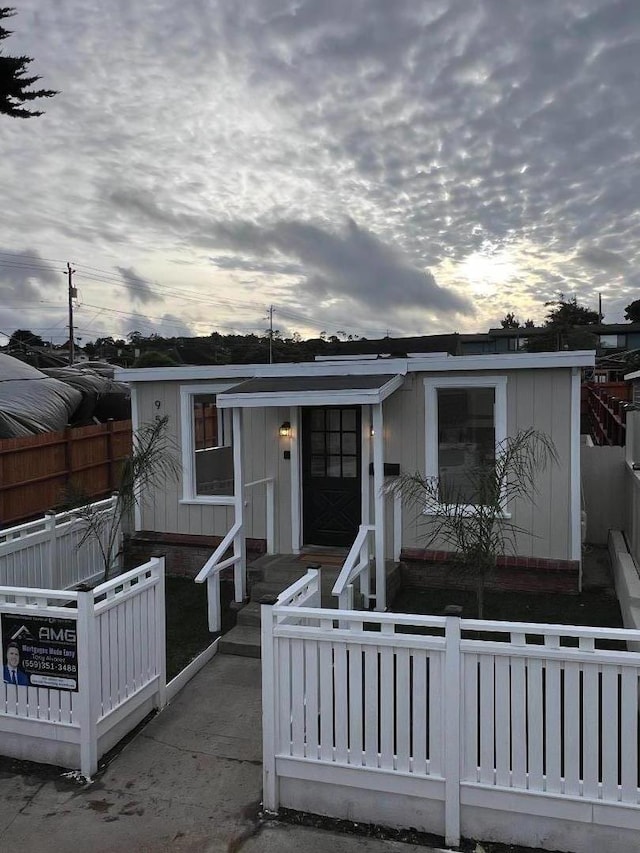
(55, 552)
(520, 733)
(118, 630)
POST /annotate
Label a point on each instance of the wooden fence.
(36, 472)
(520, 733)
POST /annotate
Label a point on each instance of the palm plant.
(473, 518)
(152, 463)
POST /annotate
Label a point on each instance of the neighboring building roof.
(400, 347)
(594, 328)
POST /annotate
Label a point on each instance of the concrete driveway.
(189, 782)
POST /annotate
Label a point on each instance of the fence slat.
(487, 719)
(420, 722)
(518, 724)
(387, 699)
(312, 733)
(535, 717)
(629, 726)
(471, 759)
(553, 727)
(284, 697)
(436, 723)
(370, 706)
(590, 730)
(503, 721)
(356, 711)
(297, 698)
(326, 702)
(403, 711)
(610, 741)
(571, 728)
(341, 709)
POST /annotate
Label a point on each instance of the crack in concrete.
(29, 800)
(254, 761)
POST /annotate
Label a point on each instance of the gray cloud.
(353, 264)
(26, 276)
(139, 289)
(448, 133)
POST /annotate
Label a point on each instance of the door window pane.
(317, 419)
(333, 419)
(348, 419)
(349, 442)
(317, 442)
(333, 466)
(349, 466)
(334, 442)
(317, 466)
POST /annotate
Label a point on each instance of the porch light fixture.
(285, 429)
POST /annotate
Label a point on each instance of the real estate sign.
(39, 651)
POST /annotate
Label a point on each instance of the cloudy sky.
(370, 166)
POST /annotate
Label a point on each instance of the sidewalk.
(189, 782)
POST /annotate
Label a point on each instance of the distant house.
(607, 338)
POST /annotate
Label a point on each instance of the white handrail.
(213, 563)
(211, 570)
(351, 569)
(210, 573)
(270, 523)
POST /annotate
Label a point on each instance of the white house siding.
(535, 398)
(263, 456)
(540, 398)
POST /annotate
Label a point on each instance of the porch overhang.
(274, 391)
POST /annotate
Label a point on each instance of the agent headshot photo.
(12, 672)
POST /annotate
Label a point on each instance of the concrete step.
(288, 575)
(249, 614)
(262, 588)
(242, 640)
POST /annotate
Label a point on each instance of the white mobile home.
(325, 435)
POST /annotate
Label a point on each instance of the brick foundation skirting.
(185, 554)
(423, 568)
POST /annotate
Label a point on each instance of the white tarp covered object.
(31, 402)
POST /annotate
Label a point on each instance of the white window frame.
(187, 393)
(432, 385)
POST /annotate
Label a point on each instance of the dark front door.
(331, 462)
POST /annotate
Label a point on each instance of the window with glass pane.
(334, 444)
(213, 451)
(466, 440)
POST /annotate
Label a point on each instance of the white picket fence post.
(451, 717)
(88, 674)
(161, 651)
(269, 709)
(50, 572)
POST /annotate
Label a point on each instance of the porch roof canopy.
(310, 391)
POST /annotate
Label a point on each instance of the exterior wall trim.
(189, 495)
(420, 364)
(431, 386)
(575, 532)
(346, 397)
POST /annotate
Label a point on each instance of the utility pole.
(270, 334)
(72, 294)
(600, 315)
